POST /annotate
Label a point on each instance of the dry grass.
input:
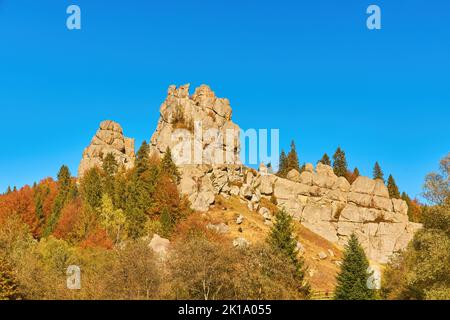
(323, 272)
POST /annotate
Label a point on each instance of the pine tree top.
(325, 160)
(393, 188)
(340, 163)
(377, 172)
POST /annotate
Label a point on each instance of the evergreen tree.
(292, 159)
(139, 191)
(110, 168)
(356, 173)
(167, 221)
(392, 188)
(169, 167)
(377, 172)
(15, 189)
(353, 276)
(92, 188)
(110, 165)
(8, 191)
(282, 240)
(142, 162)
(9, 288)
(283, 164)
(325, 160)
(66, 192)
(340, 163)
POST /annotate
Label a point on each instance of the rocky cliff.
(198, 128)
(108, 139)
(205, 145)
(324, 203)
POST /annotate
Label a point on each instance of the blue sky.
(310, 68)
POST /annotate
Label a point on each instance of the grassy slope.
(322, 273)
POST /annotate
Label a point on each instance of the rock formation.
(326, 204)
(205, 145)
(108, 139)
(198, 128)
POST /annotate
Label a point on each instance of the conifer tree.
(110, 168)
(377, 172)
(356, 173)
(139, 191)
(392, 188)
(66, 192)
(325, 160)
(340, 163)
(282, 240)
(92, 188)
(15, 189)
(283, 164)
(167, 221)
(169, 167)
(292, 159)
(8, 191)
(353, 276)
(142, 162)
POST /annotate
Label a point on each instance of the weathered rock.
(241, 243)
(220, 228)
(205, 143)
(309, 167)
(240, 219)
(363, 185)
(159, 245)
(293, 175)
(322, 255)
(197, 129)
(108, 139)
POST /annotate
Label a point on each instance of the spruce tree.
(340, 163)
(66, 192)
(110, 165)
(8, 191)
(282, 240)
(353, 276)
(142, 162)
(283, 164)
(110, 168)
(325, 160)
(377, 172)
(92, 188)
(169, 167)
(292, 159)
(168, 222)
(139, 191)
(392, 188)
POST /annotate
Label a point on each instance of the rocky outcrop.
(205, 145)
(108, 139)
(326, 204)
(198, 128)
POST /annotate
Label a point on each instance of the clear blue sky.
(310, 68)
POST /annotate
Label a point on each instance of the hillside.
(321, 273)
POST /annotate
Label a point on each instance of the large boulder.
(159, 245)
(198, 128)
(108, 139)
